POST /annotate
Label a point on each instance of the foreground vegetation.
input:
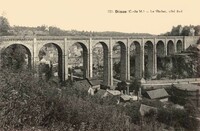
(28, 103)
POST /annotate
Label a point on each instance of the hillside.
(55, 31)
(6, 29)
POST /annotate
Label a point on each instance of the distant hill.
(55, 31)
(7, 30)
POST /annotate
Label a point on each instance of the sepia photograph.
(131, 65)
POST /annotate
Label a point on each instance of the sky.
(93, 15)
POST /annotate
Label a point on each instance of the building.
(82, 85)
(189, 91)
(159, 94)
(112, 93)
(94, 83)
(90, 85)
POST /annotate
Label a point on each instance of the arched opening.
(148, 59)
(160, 49)
(100, 62)
(50, 61)
(135, 70)
(78, 61)
(16, 57)
(119, 61)
(179, 46)
(170, 48)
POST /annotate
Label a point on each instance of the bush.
(177, 97)
(153, 103)
(191, 108)
(177, 118)
(132, 110)
(25, 101)
(121, 86)
(135, 85)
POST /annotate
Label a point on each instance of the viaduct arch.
(84, 57)
(11, 48)
(45, 48)
(122, 58)
(135, 53)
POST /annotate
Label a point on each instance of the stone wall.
(190, 40)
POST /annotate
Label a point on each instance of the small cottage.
(159, 94)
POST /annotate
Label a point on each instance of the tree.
(56, 31)
(4, 26)
(197, 30)
(135, 85)
(177, 118)
(116, 68)
(190, 108)
(186, 31)
(42, 28)
(132, 65)
(121, 86)
(176, 31)
(14, 57)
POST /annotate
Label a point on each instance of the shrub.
(132, 110)
(135, 85)
(26, 101)
(177, 118)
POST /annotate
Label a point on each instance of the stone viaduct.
(150, 46)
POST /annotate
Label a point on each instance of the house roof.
(158, 93)
(77, 70)
(125, 97)
(100, 92)
(93, 82)
(198, 46)
(188, 87)
(194, 47)
(145, 108)
(82, 84)
(114, 92)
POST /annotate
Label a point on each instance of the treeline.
(180, 30)
(6, 29)
(55, 31)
